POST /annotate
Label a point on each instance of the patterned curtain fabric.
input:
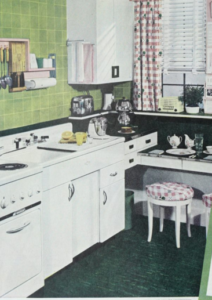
(147, 55)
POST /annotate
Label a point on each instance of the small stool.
(207, 201)
(173, 195)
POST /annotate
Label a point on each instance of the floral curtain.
(147, 55)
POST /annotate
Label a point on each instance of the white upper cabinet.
(106, 25)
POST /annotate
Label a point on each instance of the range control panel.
(19, 194)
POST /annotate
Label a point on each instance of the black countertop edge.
(131, 136)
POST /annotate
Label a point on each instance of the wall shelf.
(146, 113)
(97, 114)
(174, 115)
(41, 69)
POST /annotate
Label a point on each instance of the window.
(184, 36)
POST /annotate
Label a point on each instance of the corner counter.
(165, 160)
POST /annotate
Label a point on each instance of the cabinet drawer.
(147, 141)
(130, 160)
(161, 162)
(65, 171)
(130, 146)
(111, 174)
(203, 167)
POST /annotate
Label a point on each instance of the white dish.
(206, 152)
(180, 152)
(126, 132)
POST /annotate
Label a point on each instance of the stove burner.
(12, 167)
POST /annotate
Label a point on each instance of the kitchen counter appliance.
(20, 230)
(82, 105)
(123, 106)
(97, 128)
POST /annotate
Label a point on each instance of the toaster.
(82, 105)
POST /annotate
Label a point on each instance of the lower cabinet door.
(57, 226)
(112, 209)
(85, 218)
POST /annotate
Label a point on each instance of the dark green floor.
(128, 266)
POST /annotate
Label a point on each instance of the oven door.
(20, 249)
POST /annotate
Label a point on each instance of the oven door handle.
(19, 228)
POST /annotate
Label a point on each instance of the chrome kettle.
(124, 105)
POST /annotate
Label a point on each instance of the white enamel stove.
(20, 229)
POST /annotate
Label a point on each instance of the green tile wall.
(44, 23)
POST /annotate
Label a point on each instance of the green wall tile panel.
(44, 23)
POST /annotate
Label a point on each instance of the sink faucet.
(17, 141)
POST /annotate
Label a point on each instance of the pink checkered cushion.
(207, 200)
(169, 191)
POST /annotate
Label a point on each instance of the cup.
(40, 62)
(79, 138)
(209, 149)
(198, 142)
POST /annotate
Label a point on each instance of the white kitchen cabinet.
(112, 209)
(85, 217)
(132, 148)
(57, 228)
(108, 25)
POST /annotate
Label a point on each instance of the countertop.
(46, 158)
(200, 158)
(138, 132)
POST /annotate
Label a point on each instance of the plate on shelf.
(126, 132)
(180, 152)
(206, 152)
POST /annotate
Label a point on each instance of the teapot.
(189, 143)
(174, 141)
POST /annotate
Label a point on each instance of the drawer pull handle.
(19, 229)
(113, 174)
(131, 146)
(148, 141)
(131, 160)
(105, 196)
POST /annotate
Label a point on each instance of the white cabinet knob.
(22, 195)
(12, 199)
(4, 203)
(30, 193)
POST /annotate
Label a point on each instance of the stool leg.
(177, 225)
(150, 220)
(161, 211)
(207, 215)
(188, 217)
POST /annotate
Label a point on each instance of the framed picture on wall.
(209, 92)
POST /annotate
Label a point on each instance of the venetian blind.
(184, 35)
